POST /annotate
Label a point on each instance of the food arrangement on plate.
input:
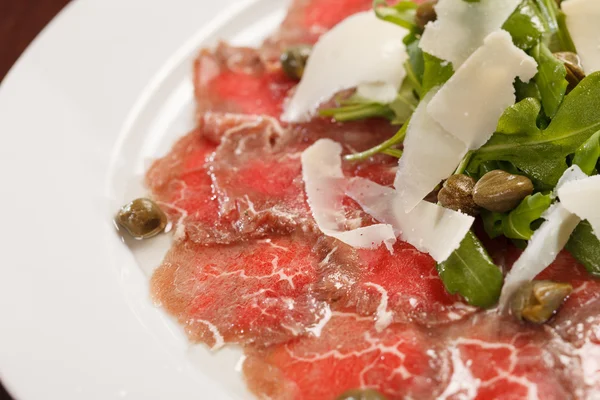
(393, 201)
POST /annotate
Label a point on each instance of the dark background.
(20, 22)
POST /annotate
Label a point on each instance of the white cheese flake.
(583, 17)
(383, 93)
(470, 104)
(542, 250)
(546, 242)
(430, 228)
(431, 154)
(325, 185)
(582, 198)
(461, 27)
(362, 49)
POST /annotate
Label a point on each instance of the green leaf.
(564, 37)
(525, 25)
(471, 272)
(492, 223)
(551, 79)
(436, 72)
(547, 11)
(404, 104)
(415, 66)
(402, 14)
(520, 118)
(525, 90)
(585, 247)
(586, 157)
(542, 156)
(517, 224)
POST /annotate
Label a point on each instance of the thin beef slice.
(249, 292)
(235, 80)
(483, 358)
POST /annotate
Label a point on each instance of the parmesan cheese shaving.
(543, 247)
(462, 26)
(546, 242)
(583, 18)
(325, 185)
(430, 228)
(361, 49)
(382, 93)
(582, 198)
(470, 104)
(430, 155)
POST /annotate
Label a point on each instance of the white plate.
(81, 114)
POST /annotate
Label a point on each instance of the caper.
(142, 218)
(457, 194)
(361, 394)
(538, 301)
(425, 13)
(293, 61)
(575, 73)
(500, 191)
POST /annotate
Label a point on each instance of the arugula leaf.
(404, 104)
(548, 12)
(588, 154)
(543, 156)
(525, 25)
(551, 79)
(563, 35)
(517, 224)
(415, 66)
(471, 272)
(436, 72)
(492, 223)
(585, 247)
(402, 14)
(525, 90)
(520, 118)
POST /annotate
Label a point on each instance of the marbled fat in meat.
(235, 80)
(316, 317)
(249, 292)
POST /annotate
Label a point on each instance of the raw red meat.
(235, 80)
(180, 183)
(250, 184)
(315, 316)
(348, 354)
(249, 292)
(307, 20)
(484, 358)
(400, 287)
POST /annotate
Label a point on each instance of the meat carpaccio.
(315, 317)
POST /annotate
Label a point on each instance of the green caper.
(500, 191)
(575, 73)
(142, 218)
(294, 59)
(426, 13)
(361, 394)
(538, 301)
(457, 194)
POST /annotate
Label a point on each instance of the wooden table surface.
(20, 22)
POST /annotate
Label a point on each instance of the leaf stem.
(385, 146)
(464, 163)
